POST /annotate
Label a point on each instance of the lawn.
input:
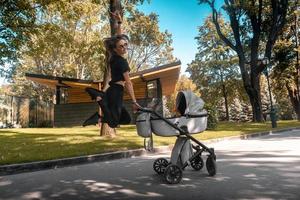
(36, 144)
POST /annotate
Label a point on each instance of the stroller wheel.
(173, 174)
(197, 163)
(211, 165)
(160, 165)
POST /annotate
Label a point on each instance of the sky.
(181, 18)
(2, 81)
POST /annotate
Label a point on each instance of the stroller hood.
(188, 103)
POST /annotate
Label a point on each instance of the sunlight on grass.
(36, 144)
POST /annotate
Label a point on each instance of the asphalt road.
(265, 167)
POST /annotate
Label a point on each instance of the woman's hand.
(98, 98)
(117, 16)
(135, 106)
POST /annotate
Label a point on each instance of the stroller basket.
(143, 125)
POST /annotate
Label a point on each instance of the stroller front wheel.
(173, 174)
(211, 165)
(160, 165)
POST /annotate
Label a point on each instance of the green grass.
(36, 144)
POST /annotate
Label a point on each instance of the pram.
(192, 120)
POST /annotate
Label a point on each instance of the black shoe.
(92, 120)
(94, 93)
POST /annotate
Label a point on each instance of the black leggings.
(112, 106)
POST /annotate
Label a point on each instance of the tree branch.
(279, 12)
(215, 21)
(255, 40)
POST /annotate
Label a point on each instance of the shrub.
(212, 120)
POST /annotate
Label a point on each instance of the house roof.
(148, 74)
(156, 70)
(53, 81)
(168, 75)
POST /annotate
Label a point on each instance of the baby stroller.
(187, 150)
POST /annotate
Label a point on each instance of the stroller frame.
(171, 171)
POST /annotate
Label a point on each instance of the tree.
(286, 72)
(149, 47)
(16, 22)
(114, 6)
(214, 69)
(252, 22)
(183, 83)
(67, 42)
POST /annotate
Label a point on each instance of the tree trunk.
(114, 5)
(257, 114)
(256, 106)
(224, 95)
(107, 131)
(295, 99)
(252, 87)
(226, 101)
(297, 57)
(255, 98)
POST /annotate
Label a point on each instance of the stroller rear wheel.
(211, 165)
(197, 163)
(160, 165)
(173, 174)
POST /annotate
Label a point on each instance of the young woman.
(111, 101)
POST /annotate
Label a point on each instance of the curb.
(64, 162)
(252, 135)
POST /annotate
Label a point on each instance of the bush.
(45, 124)
(212, 120)
(285, 112)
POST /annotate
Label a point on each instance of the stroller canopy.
(188, 103)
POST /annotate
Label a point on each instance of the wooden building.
(73, 105)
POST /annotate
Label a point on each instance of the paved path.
(265, 167)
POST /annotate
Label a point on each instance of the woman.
(111, 101)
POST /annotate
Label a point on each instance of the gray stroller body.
(187, 150)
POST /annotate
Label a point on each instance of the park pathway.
(266, 167)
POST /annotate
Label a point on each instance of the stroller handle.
(145, 109)
(149, 110)
(159, 116)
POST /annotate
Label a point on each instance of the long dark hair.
(111, 43)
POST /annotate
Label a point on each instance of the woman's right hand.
(135, 106)
(117, 15)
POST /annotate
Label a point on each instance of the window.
(152, 89)
(63, 95)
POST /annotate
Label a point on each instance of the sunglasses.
(123, 46)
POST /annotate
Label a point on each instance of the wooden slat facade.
(139, 90)
(77, 95)
(73, 114)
